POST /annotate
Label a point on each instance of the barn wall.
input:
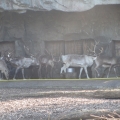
(101, 22)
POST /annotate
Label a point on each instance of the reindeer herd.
(47, 62)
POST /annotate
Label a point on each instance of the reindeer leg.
(51, 72)
(85, 68)
(46, 70)
(81, 69)
(115, 72)
(65, 66)
(16, 72)
(109, 71)
(104, 72)
(39, 71)
(96, 72)
(0, 76)
(23, 74)
(62, 69)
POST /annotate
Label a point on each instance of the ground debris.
(52, 107)
(110, 116)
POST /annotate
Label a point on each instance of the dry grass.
(47, 107)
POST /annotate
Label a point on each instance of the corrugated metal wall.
(69, 47)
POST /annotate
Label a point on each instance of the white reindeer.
(22, 63)
(74, 60)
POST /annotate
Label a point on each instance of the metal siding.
(69, 47)
(87, 44)
(73, 47)
(55, 47)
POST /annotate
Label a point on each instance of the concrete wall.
(100, 23)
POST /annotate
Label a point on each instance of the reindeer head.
(51, 63)
(9, 56)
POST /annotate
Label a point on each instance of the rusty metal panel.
(55, 47)
(69, 47)
(87, 44)
(73, 47)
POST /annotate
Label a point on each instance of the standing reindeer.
(45, 62)
(75, 60)
(21, 63)
(3, 66)
(46, 65)
(4, 69)
(104, 61)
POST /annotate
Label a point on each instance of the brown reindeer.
(104, 61)
(46, 65)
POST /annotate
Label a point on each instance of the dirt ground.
(52, 104)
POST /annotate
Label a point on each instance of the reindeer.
(75, 60)
(3, 66)
(4, 69)
(21, 63)
(46, 63)
(104, 61)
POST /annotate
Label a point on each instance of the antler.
(27, 50)
(96, 43)
(94, 48)
(101, 50)
(49, 54)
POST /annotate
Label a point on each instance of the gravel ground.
(14, 106)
